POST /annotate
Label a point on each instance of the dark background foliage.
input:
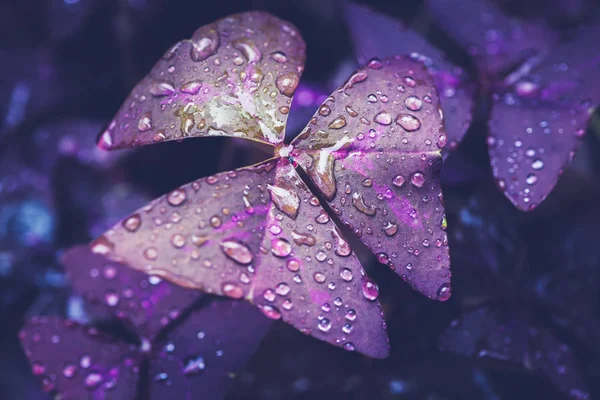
(67, 65)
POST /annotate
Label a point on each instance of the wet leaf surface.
(537, 124)
(377, 35)
(374, 151)
(235, 77)
(309, 276)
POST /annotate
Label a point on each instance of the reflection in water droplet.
(324, 325)
(359, 204)
(346, 274)
(338, 123)
(270, 311)
(417, 179)
(409, 122)
(232, 290)
(237, 251)
(287, 84)
(281, 247)
(444, 291)
(413, 103)
(176, 197)
(370, 289)
(398, 181)
(383, 118)
(132, 223)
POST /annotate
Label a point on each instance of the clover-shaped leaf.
(259, 233)
(378, 35)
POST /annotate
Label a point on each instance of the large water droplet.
(338, 123)
(346, 274)
(383, 118)
(398, 181)
(418, 179)
(282, 289)
(205, 43)
(303, 238)
(537, 164)
(248, 50)
(287, 84)
(342, 247)
(176, 197)
(409, 122)
(161, 88)
(281, 247)
(237, 251)
(324, 325)
(359, 203)
(444, 292)
(144, 123)
(270, 311)
(279, 56)
(390, 228)
(132, 223)
(370, 289)
(286, 200)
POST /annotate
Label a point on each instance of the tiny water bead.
(413, 103)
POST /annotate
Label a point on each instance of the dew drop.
(417, 179)
(413, 103)
(144, 123)
(338, 123)
(370, 289)
(161, 88)
(287, 84)
(359, 203)
(383, 118)
(176, 197)
(282, 289)
(346, 274)
(324, 325)
(531, 179)
(408, 122)
(537, 164)
(390, 228)
(237, 251)
(279, 57)
(232, 290)
(293, 265)
(281, 247)
(444, 291)
(348, 346)
(270, 311)
(319, 277)
(398, 181)
(93, 380)
(132, 223)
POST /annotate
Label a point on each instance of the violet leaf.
(204, 352)
(146, 302)
(377, 35)
(78, 362)
(539, 121)
(234, 77)
(374, 150)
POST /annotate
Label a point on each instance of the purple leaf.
(498, 42)
(202, 354)
(147, 302)
(377, 35)
(77, 362)
(374, 150)
(203, 235)
(309, 277)
(235, 77)
(537, 124)
(488, 334)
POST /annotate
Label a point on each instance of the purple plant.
(372, 150)
(175, 339)
(543, 88)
